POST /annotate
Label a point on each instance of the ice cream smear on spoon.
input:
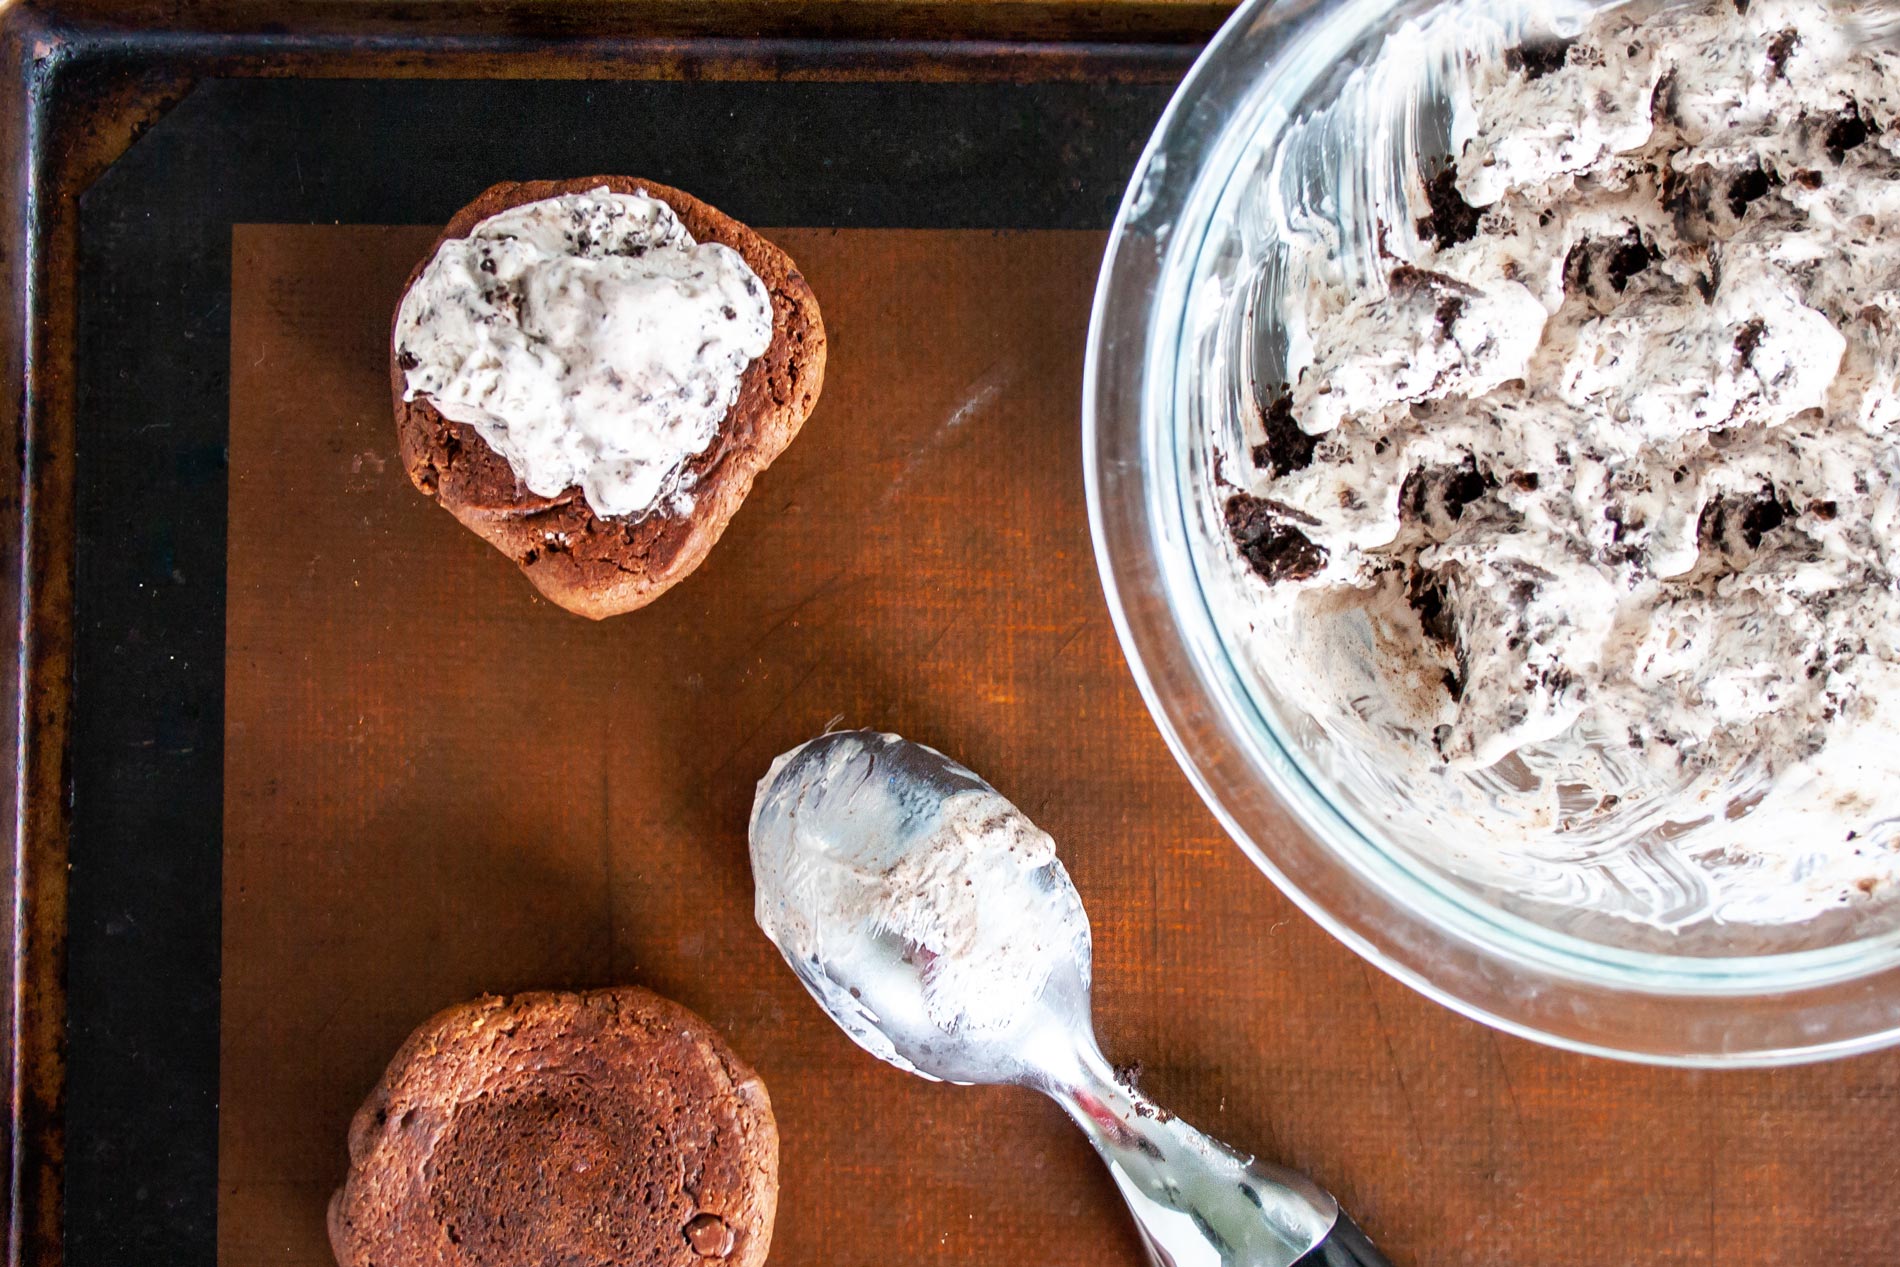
(883, 865)
(934, 923)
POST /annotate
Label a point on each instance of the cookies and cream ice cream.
(589, 341)
(1593, 484)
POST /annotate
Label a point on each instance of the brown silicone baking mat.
(321, 763)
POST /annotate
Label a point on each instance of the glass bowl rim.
(1435, 915)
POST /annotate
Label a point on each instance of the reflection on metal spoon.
(934, 923)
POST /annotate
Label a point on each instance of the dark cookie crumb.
(1764, 516)
(1731, 524)
(1265, 534)
(1129, 1076)
(1286, 448)
(1577, 268)
(1405, 279)
(1425, 593)
(1662, 98)
(1624, 547)
(1556, 680)
(1747, 187)
(1436, 497)
(1628, 258)
(1684, 199)
(1748, 340)
(1384, 237)
(1450, 308)
(1614, 260)
(1452, 219)
(1537, 58)
(1780, 49)
(1849, 130)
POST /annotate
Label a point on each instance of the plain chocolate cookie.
(602, 567)
(611, 1127)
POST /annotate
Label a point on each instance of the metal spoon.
(933, 923)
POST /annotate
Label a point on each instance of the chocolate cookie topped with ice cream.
(590, 373)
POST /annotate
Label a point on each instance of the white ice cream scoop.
(933, 922)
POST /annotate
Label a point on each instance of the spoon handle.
(1344, 1246)
(1197, 1202)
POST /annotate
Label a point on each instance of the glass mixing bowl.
(1614, 946)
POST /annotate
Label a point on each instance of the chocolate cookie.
(608, 1127)
(604, 566)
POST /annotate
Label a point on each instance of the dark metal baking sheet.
(135, 146)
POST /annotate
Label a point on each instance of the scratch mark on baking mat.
(981, 396)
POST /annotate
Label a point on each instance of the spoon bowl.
(846, 810)
(933, 922)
